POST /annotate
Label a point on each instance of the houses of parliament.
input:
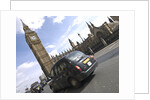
(98, 38)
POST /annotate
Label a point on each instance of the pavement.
(105, 79)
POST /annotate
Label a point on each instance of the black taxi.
(71, 70)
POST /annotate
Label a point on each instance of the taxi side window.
(59, 69)
(63, 66)
(55, 70)
(52, 73)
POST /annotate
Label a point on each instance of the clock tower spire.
(25, 27)
(38, 49)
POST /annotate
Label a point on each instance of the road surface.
(105, 79)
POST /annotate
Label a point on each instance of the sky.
(53, 32)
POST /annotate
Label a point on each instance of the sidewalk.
(107, 49)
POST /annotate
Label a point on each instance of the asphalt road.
(105, 79)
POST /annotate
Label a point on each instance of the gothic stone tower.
(71, 43)
(38, 50)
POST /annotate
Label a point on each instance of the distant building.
(98, 38)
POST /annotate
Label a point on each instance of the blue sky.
(54, 32)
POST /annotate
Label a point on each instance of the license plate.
(89, 63)
(85, 61)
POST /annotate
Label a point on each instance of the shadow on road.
(84, 83)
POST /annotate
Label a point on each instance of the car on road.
(36, 87)
(43, 83)
(71, 70)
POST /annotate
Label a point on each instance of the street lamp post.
(80, 37)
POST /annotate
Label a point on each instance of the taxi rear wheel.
(74, 82)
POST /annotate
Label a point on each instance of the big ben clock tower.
(38, 49)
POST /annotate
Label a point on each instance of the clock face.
(33, 37)
(28, 31)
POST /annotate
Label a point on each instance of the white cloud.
(78, 20)
(58, 19)
(26, 74)
(84, 33)
(67, 34)
(26, 66)
(50, 46)
(74, 36)
(53, 52)
(19, 27)
(34, 22)
(82, 28)
(99, 20)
